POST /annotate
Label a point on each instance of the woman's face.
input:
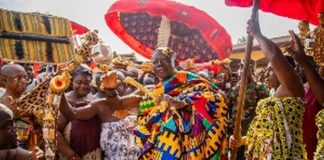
(81, 84)
(163, 66)
(270, 78)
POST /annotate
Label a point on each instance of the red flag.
(78, 29)
(295, 9)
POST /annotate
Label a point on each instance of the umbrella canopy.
(296, 9)
(36, 37)
(194, 34)
(78, 29)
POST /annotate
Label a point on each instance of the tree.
(241, 40)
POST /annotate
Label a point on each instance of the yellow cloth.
(276, 131)
(319, 153)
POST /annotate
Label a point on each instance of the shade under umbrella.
(194, 34)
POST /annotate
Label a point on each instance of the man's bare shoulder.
(23, 154)
(99, 101)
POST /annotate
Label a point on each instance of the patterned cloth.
(196, 131)
(29, 130)
(276, 131)
(117, 141)
(30, 49)
(319, 154)
(28, 134)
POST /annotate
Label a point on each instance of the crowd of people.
(184, 113)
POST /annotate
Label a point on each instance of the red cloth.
(78, 29)
(84, 135)
(36, 67)
(295, 9)
(309, 126)
(200, 105)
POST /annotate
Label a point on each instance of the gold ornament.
(120, 62)
(60, 83)
(319, 154)
(319, 41)
(147, 66)
(304, 29)
(166, 51)
(104, 68)
(120, 114)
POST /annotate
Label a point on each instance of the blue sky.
(91, 13)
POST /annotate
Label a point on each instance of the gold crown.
(120, 61)
(166, 51)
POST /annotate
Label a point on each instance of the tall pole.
(243, 82)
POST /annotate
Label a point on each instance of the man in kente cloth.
(191, 120)
(28, 130)
(189, 124)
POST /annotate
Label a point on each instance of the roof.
(239, 49)
(282, 40)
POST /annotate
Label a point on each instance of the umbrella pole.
(243, 82)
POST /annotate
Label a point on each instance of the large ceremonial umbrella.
(296, 9)
(194, 34)
(78, 28)
(36, 37)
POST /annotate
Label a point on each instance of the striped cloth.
(35, 24)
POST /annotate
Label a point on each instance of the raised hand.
(234, 143)
(37, 153)
(12, 101)
(170, 101)
(110, 80)
(296, 49)
(253, 28)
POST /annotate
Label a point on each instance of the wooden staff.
(243, 82)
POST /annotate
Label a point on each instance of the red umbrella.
(194, 34)
(296, 9)
(78, 29)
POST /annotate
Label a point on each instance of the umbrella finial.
(304, 29)
(164, 32)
